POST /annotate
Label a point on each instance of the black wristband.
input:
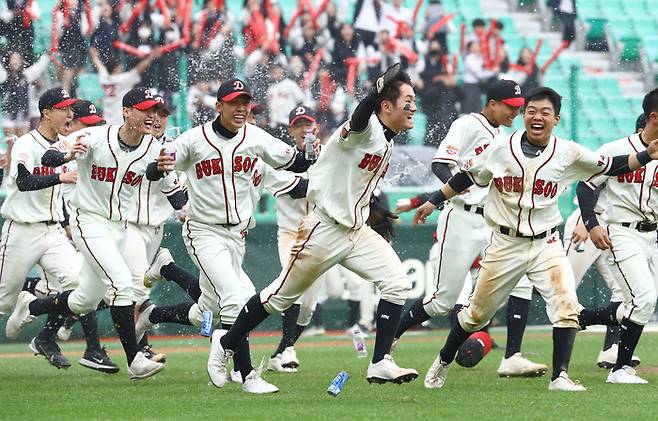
(437, 198)
(643, 157)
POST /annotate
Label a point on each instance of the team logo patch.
(300, 110)
(92, 109)
(452, 150)
(467, 165)
(238, 86)
(517, 90)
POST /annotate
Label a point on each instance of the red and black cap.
(231, 89)
(300, 112)
(140, 98)
(163, 104)
(55, 98)
(87, 113)
(506, 91)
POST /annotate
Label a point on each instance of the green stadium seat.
(597, 28)
(90, 89)
(631, 51)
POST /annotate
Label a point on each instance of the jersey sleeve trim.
(287, 188)
(287, 164)
(468, 173)
(445, 160)
(605, 169)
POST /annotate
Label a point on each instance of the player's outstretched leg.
(164, 267)
(412, 317)
(44, 343)
(95, 356)
(284, 359)
(382, 368)
(151, 315)
(563, 341)
(514, 364)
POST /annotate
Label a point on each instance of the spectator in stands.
(17, 26)
(14, 89)
(106, 32)
(434, 13)
(397, 19)
(346, 46)
(72, 46)
(212, 50)
(116, 82)
(436, 90)
(478, 32)
(565, 10)
(527, 75)
(367, 20)
(382, 55)
(200, 105)
(474, 76)
(283, 95)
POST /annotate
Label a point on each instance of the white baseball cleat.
(436, 375)
(143, 323)
(218, 359)
(387, 370)
(142, 368)
(152, 275)
(289, 358)
(20, 316)
(625, 375)
(607, 358)
(519, 366)
(254, 383)
(564, 384)
(276, 364)
(235, 377)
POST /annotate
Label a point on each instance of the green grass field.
(31, 389)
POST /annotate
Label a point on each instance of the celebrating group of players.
(123, 183)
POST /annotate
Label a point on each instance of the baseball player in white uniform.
(340, 185)
(526, 170)
(218, 159)
(112, 163)
(32, 232)
(629, 232)
(462, 233)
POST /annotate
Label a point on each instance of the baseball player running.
(582, 253)
(462, 233)
(218, 159)
(112, 162)
(32, 232)
(341, 182)
(629, 232)
(526, 170)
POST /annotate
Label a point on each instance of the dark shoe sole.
(530, 374)
(291, 364)
(399, 380)
(54, 364)
(608, 365)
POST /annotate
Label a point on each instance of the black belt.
(48, 222)
(511, 232)
(642, 226)
(475, 209)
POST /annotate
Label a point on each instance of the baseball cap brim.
(66, 103)
(306, 117)
(91, 119)
(230, 97)
(146, 105)
(514, 102)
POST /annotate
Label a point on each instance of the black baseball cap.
(641, 122)
(55, 98)
(140, 98)
(256, 108)
(301, 111)
(87, 113)
(231, 89)
(506, 91)
(163, 104)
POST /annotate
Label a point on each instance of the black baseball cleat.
(97, 359)
(50, 350)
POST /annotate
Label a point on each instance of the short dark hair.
(500, 25)
(544, 92)
(478, 22)
(650, 103)
(641, 122)
(392, 91)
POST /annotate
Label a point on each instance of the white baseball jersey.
(289, 211)
(67, 189)
(109, 177)
(115, 87)
(37, 205)
(277, 183)
(524, 191)
(468, 136)
(356, 163)
(629, 196)
(220, 171)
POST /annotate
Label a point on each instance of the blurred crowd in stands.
(321, 56)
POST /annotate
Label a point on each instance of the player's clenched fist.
(79, 148)
(165, 162)
(423, 212)
(70, 177)
(599, 237)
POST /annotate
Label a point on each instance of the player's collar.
(388, 133)
(221, 130)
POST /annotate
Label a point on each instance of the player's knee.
(395, 290)
(645, 304)
(471, 321)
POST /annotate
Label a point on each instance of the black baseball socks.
(517, 317)
(628, 339)
(252, 314)
(188, 282)
(413, 317)
(288, 331)
(563, 340)
(387, 320)
(242, 356)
